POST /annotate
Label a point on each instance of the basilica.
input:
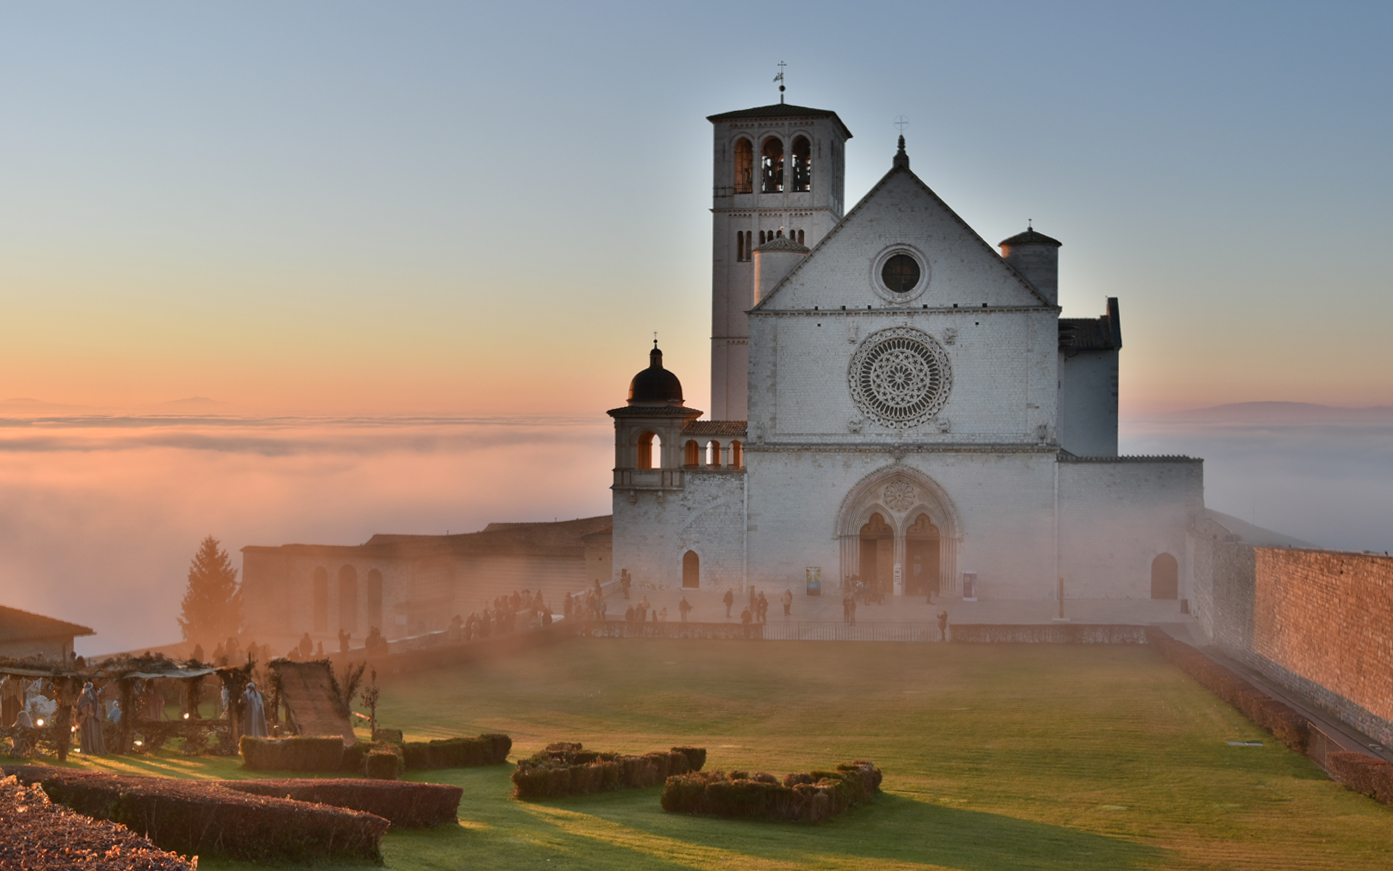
(894, 402)
(896, 405)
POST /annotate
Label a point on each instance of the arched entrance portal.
(691, 570)
(1165, 577)
(921, 557)
(900, 517)
(877, 552)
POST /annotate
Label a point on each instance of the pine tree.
(212, 603)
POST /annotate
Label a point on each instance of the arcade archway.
(900, 517)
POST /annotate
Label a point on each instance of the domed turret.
(1035, 256)
(655, 384)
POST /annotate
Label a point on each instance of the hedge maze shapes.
(813, 796)
(205, 818)
(405, 805)
(569, 769)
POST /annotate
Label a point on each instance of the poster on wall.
(969, 586)
(814, 581)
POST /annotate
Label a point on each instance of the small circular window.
(900, 273)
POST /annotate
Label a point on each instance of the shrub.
(388, 736)
(812, 796)
(384, 765)
(405, 805)
(206, 818)
(568, 769)
(355, 758)
(40, 836)
(1363, 774)
(696, 757)
(488, 749)
(292, 754)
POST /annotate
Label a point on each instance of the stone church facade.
(913, 409)
(894, 400)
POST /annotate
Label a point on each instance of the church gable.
(902, 234)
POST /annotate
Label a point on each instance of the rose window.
(899, 495)
(900, 377)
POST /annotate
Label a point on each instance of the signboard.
(899, 580)
(969, 586)
(814, 581)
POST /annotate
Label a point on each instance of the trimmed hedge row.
(1279, 719)
(405, 805)
(487, 749)
(569, 769)
(292, 754)
(813, 796)
(1364, 774)
(383, 765)
(205, 818)
(42, 836)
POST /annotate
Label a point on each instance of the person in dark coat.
(683, 607)
(729, 599)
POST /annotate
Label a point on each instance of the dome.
(655, 384)
(1030, 237)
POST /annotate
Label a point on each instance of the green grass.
(995, 757)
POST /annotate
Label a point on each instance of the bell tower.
(778, 171)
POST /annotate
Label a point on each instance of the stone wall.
(1317, 622)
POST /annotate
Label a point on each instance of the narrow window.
(749, 247)
(772, 165)
(737, 455)
(802, 164)
(800, 237)
(321, 600)
(744, 166)
(739, 245)
(691, 571)
(650, 451)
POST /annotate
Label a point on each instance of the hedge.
(292, 754)
(384, 765)
(1364, 774)
(488, 749)
(1286, 724)
(813, 796)
(205, 818)
(405, 805)
(569, 769)
(355, 758)
(42, 836)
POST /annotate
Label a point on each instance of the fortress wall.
(1318, 622)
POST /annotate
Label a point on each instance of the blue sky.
(361, 207)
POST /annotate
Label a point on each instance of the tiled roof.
(715, 428)
(17, 625)
(779, 110)
(1092, 334)
(539, 539)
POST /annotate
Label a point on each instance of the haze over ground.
(351, 212)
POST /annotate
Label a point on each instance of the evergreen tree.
(212, 603)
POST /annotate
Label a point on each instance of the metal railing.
(838, 631)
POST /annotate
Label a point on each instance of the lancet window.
(772, 165)
(744, 166)
(802, 164)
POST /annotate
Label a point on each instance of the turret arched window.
(802, 164)
(713, 457)
(744, 166)
(650, 451)
(772, 165)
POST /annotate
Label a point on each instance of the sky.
(418, 248)
(348, 208)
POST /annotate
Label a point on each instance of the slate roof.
(716, 428)
(1092, 334)
(17, 625)
(779, 110)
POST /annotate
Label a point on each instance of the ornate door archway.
(903, 516)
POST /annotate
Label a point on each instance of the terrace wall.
(1315, 621)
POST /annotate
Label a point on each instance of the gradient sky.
(487, 208)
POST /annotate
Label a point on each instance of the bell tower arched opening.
(744, 166)
(771, 166)
(802, 164)
(650, 451)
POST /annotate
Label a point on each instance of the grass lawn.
(995, 757)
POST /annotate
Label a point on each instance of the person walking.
(787, 599)
(729, 599)
(762, 608)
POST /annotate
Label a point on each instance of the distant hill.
(1285, 414)
(38, 406)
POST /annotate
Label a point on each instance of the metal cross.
(655, 338)
(901, 122)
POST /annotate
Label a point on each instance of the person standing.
(942, 625)
(729, 599)
(683, 607)
(89, 722)
(306, 646)
(787, 599)
(852, 612)
(253, 712)
(762, 608)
